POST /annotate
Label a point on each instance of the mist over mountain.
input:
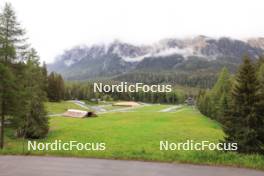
(117, 60)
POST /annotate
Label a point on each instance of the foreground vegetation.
(136, 135)
(237, 103)
(22, 81)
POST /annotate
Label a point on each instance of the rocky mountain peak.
(120, 57)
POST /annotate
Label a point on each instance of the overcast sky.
(56, 25)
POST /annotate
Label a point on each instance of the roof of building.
(126, 103)
(75, 113)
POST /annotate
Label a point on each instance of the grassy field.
(136, 135)
(58, 108)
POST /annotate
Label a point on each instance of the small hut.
(126, 104)
(78, 113)
(189, 101)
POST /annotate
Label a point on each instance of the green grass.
(136, 135)
(152, 108)
(61, 107)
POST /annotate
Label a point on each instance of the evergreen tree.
(260, 62)
(7, 83)
(220, 94)
(55, 87)
(12, 36)
(45, 77)
(213, 103)
(223, 104)
(261, 93)
(32, 121)
(261, 78)
(12, 46)
(244, 120)
(21, 81)
(60, 87)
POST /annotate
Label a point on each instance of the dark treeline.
(197, 79)
(84, 91)
(237, 102)
(55, 87)
(22, 81)
(173, 97)
(57, 90)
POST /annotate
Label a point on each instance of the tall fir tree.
(261, 93)
(32, 122)
(220, 94)
(214, 102)
(45, 75)
(55, 87)
(12, 45)
(244, 120)
(12, 35)
(7, 84)
(22, 90)
(261, 78)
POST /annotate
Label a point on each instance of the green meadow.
(136, 135)
(58, 108)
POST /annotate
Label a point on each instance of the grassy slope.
(61, 107)
(136, 135)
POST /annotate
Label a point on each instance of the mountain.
(257, 42)
(191, 55)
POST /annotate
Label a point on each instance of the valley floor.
(136, 135)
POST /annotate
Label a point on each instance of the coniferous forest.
(23, 81)
(236, 101)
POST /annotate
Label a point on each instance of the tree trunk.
(3, 113)
(2, 124)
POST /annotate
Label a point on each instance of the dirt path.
(57, 166)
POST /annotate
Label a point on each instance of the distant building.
(95, 99)
(78, 113)
(190, 101)
(126, 103)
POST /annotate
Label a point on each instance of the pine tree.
(220, 94)
(12, 36)
(12, 46)
(223, 104)
(244, 120)
(55, 87)
(260, 62)
(261, 77)
(32, 122)
(60, 87)
(45, 77)
(7, 83)
(213, 103)
(261, 94)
